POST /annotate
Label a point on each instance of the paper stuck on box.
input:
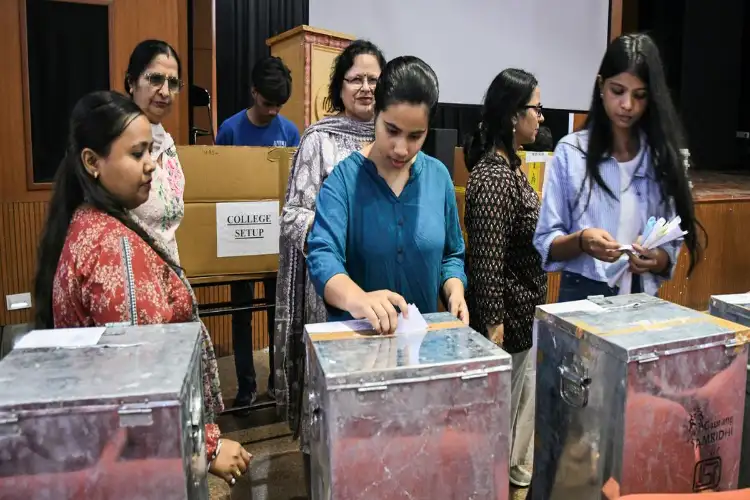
(574, 306)
(62, 337)
(735, 298)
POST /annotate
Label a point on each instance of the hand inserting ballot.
(379, 308)
(496, 334)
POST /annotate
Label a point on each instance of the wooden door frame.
(31, 185)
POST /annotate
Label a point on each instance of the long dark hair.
(506, 97)
(142, 56)
(344, 61)
(637, 54)
(98, 119)
(407, 79)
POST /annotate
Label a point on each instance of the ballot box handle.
(315, 414)
(9, 425)
(198, 457)
(574, 387)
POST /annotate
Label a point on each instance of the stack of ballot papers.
(657, 233)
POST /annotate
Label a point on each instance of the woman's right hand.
(600, 244)
(232, 462)
(496, 334)
(378, 308)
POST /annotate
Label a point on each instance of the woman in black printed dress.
(506, 280)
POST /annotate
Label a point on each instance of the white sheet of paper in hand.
(414, 323)
(63, 337)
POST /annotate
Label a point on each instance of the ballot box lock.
(574, 386)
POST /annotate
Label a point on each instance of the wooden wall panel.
(21, 224)
(220, 327)
(12, 133)
(553, 287)
(138, 20)
(615, 18)
(204, 61)
(724, 267)
(579, 120)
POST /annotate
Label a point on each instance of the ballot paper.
(413, 323)
(62, 337)
(657, 233)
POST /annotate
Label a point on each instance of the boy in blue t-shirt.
(261, 124)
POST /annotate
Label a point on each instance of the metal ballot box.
(408, 416)
(639, 395)
(122, 418)
(736, 308)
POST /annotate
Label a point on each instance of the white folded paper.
(415, 323)
(657, 233)
(63, 337)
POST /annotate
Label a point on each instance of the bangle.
(580, 240)
(216, 453)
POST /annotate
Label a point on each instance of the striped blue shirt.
(567, 208)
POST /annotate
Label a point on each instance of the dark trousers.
(572, 287)
(576, 287)
(308, 473)
(243, 293)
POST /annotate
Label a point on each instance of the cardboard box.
(233, 196)
(533, 165)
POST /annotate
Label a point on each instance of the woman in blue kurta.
(386, 230)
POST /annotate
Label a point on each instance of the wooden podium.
(309, 53)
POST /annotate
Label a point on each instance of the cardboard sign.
(535, 163)
(247, 228)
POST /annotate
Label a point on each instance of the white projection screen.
(467, 42)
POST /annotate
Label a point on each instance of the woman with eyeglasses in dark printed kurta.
(506, 280)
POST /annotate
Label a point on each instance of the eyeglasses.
(538, 108)
(157, 80)
(360, 80)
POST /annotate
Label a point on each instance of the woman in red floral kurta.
(108, 274)
(97, 266)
